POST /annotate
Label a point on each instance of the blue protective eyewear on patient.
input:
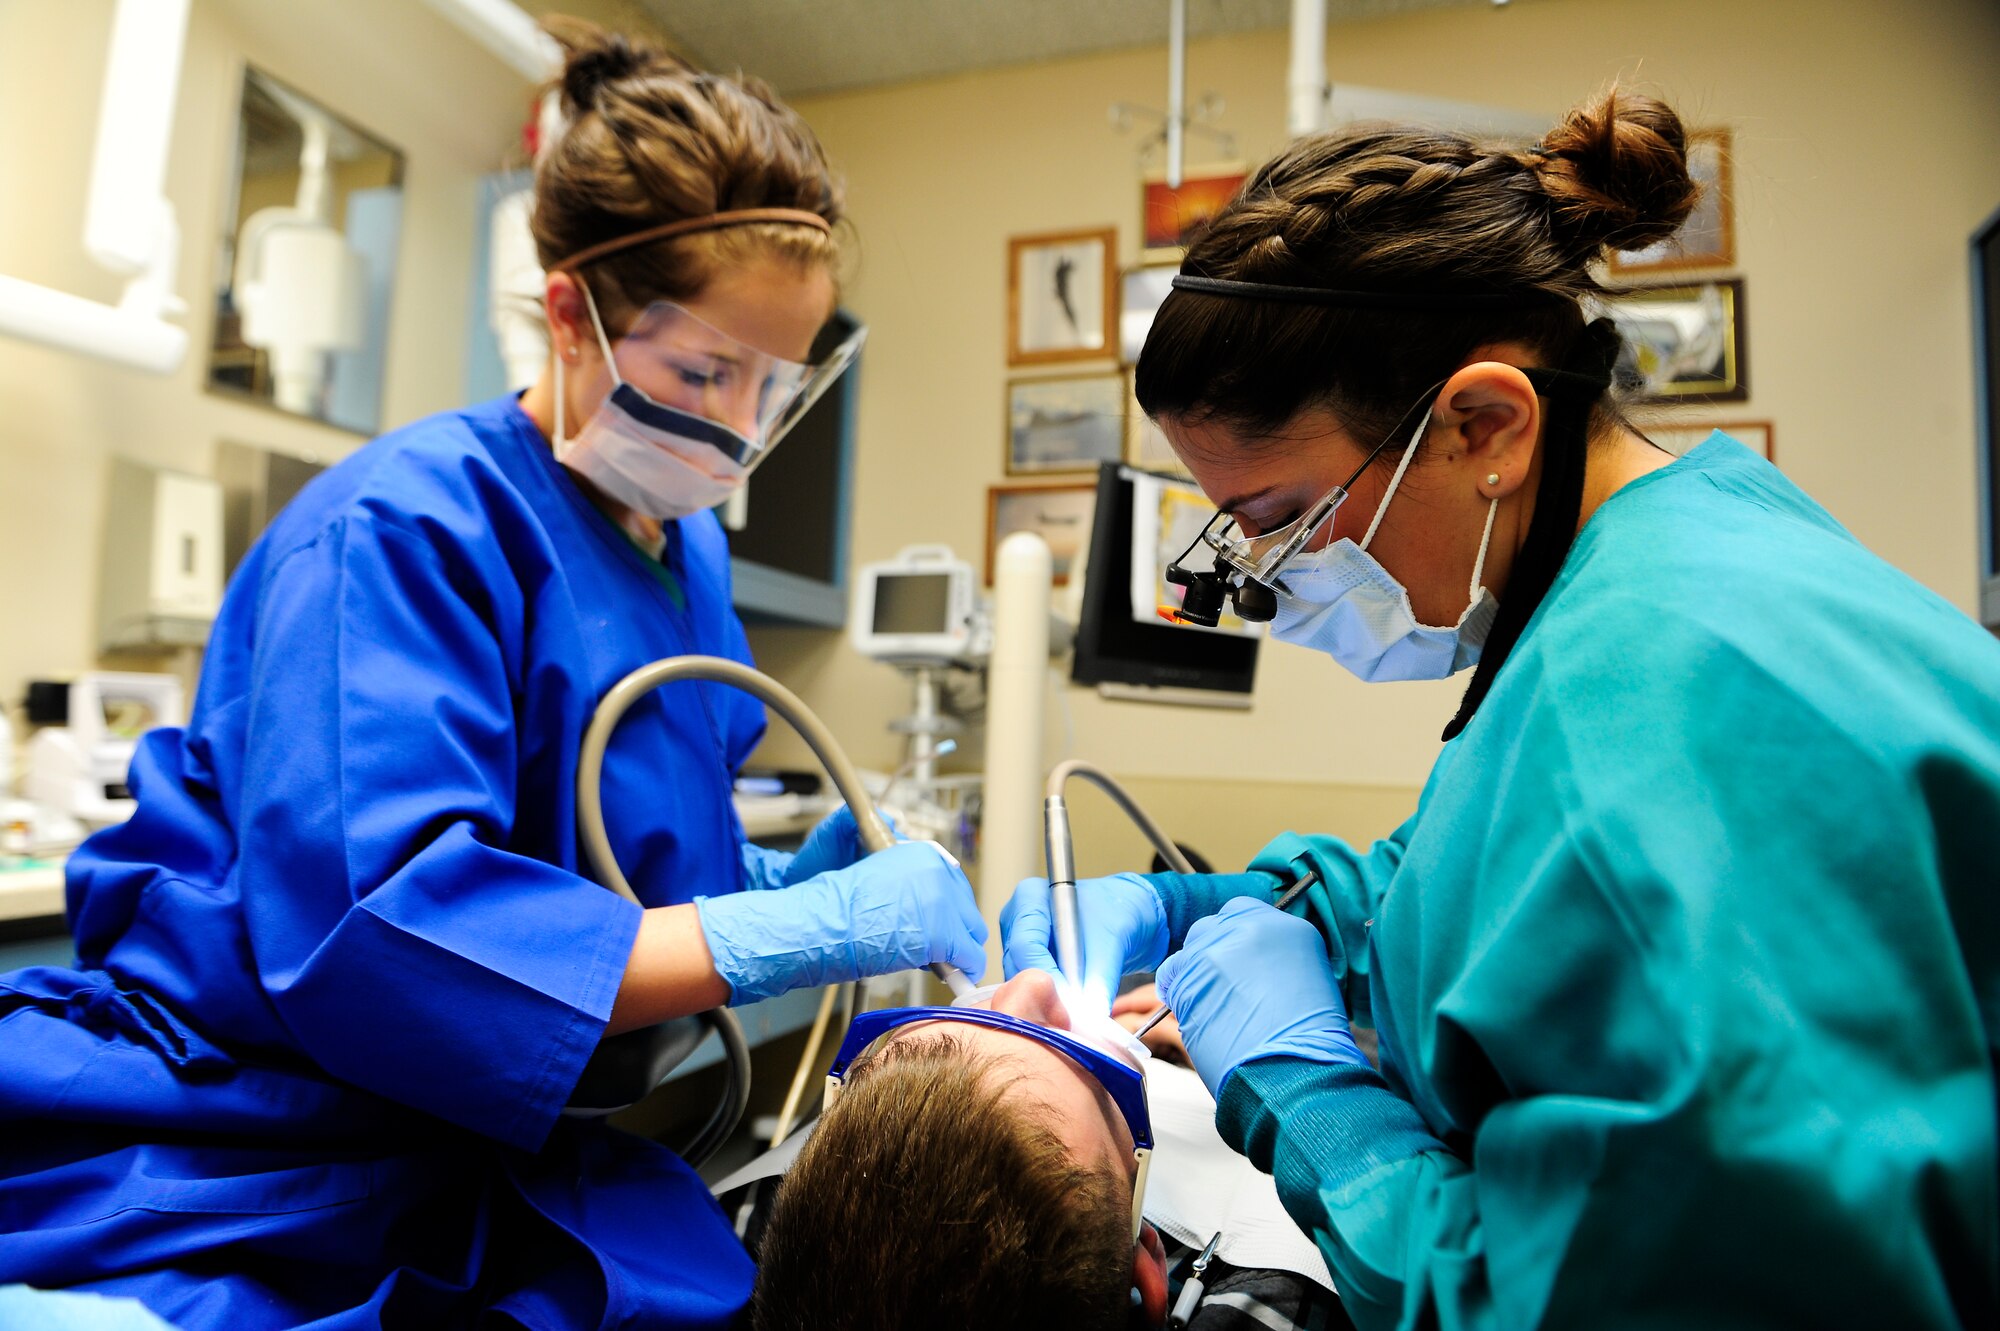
(1125, 1084)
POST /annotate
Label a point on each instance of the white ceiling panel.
(813, 46)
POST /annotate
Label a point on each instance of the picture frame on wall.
(1059, 514)
(1146, 444)
(1143, 289)
(1171, 214)
(1066, 422)
(1062, 297)
(1681, 437)
(1708, 238)
(1684, 342)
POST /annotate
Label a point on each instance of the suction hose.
(874, 835)
(1066, 912)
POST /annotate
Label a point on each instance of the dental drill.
(1059, 846)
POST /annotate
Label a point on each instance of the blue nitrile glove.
(1252, 982)
(1124, 928)
(834, 844)
(898, 909)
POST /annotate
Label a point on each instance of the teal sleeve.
(1344, 902)
(1188, 897)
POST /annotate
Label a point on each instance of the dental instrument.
(1059, 846)
(1194, 1287)
(636, 1061)
(1292, 893)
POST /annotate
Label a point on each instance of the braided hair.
(1407, 211)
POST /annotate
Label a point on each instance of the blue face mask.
(1341, 601)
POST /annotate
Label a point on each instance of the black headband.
(1367, 300)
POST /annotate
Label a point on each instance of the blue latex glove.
(1252, 982)
(898, 909)
(1124, 928)
(834, 844)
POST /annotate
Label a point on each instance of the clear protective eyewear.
(683, 376)
(1125, 1084)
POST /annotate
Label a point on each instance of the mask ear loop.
(1479, 564)
(1396, 480)
(596, 326)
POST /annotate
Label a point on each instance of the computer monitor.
(916, 607)
(1153, 661)
(1986, 377)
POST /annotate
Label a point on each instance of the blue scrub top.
(343, 967)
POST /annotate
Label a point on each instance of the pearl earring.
(1493, 478)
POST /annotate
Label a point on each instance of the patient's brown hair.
(925, 1198)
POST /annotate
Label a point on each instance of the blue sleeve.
(406, 949)
(1188, 897)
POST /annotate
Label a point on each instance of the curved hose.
(1059, 777)
(873, 832)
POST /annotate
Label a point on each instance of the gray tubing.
(1103, 780)
(873, 832)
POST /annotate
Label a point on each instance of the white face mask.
(1341, 601)
(660, 472)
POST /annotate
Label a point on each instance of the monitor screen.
(1114, 647)
(912, 603)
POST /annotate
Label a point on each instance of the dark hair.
(925, 1199)
(649, 139)
(1397, 209)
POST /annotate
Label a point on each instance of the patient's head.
(966, 1177)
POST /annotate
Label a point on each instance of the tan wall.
(1864, 143)
(392, 67)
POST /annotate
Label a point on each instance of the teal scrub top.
(1686, 970)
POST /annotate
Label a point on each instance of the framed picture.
(1144, 289)
(1059, 514)
(1145, 443)
(1683, 343)
(1678, 437)
(1708, 238)
(1172, 214)
(1062, 297)
(1066, 423)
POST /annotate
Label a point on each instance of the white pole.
(1306, 89)
(508, 31)
(135, 120)
(1176, 89)
(1010, 833)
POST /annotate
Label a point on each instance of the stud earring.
(1493, 478)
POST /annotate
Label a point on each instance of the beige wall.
(379, 63)
(1865, 156)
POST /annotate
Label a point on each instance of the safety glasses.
(683, 376)
(1126, 1085)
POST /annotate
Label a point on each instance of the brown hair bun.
(1615, 173)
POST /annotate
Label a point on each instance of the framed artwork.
(1170, 215)
(1059, 514)
(1064, 423)
(1708, 238)
(1062, 297)
(1144, 289)
(1683, 343)
(1678, 437)
(1146, 444)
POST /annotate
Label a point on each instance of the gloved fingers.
(1025, 926)
(968, 954)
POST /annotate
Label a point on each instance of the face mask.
(1340, 601)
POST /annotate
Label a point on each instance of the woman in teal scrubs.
(1686, 972)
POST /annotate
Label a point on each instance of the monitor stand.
(1236, 702)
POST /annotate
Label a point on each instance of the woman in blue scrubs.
(338, 975)
(1686, 971)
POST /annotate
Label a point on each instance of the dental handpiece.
(1292, 893)
(1067, 916)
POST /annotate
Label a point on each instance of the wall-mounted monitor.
(1986, 377)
